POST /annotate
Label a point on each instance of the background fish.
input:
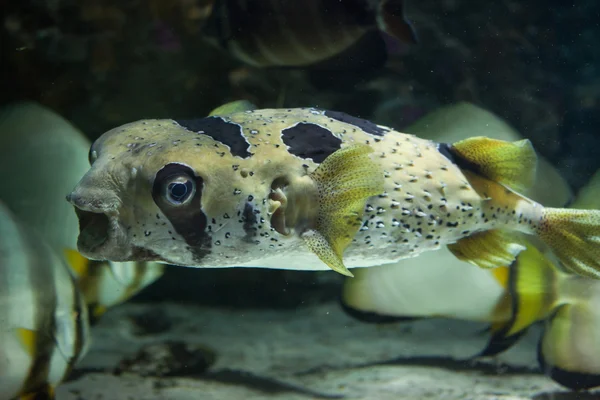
(295, 188)
(41, 158)
(44, 322)
(274, 33)
(437, 284)
(510, 298)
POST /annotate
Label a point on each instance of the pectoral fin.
(345, 180)
(488, 249)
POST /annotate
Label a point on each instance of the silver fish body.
(44, 318)
(42, 156)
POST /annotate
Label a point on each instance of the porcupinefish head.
(201, 193)
(158, 191)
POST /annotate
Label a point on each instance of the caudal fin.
(574, 237)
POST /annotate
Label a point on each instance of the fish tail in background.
(532, 294)
(390, 18)
(568, 351)
(574, 237)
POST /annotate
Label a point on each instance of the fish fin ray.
(344, 180)
(487, 249)
(573, 235)
(510, 163)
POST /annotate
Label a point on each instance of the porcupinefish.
(290, 33)
(41, 157)
(44, 322)
(510, 298)
(296, 188)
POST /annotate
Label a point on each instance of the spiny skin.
(428, 201)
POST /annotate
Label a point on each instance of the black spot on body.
(307, 140)
(228, 133)
(188, 219)
(249, 221)
(363, 124)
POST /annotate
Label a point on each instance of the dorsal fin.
(233, 107)
(510, 163)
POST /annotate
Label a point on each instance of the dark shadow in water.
(249, 380)
(567, 396)
(261, 383)
(448, 363)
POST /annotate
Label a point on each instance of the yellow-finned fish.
(41, 157)
(44, 327)
(299, 188)
(290, 33)
(510, 298)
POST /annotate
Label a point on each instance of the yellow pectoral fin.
(344, 180)
(321, 247)
(232, 107)
(27, 338)
(510, 163)
(488, 249)
(78, 263)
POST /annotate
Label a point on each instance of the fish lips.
(101, 236)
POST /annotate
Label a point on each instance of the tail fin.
(569, 349)
(574, 237)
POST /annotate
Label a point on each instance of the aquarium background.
(100, 64)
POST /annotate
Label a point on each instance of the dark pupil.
(178, 190)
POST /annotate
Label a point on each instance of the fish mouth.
(93, 232)
(101, 238)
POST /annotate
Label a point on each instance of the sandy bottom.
(179, 351)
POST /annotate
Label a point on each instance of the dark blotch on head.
(228, 133)
(363, 124)
(310, 141)
(187, 219)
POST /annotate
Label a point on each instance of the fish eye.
(176, 185)
(92, 155)
(179, 189)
